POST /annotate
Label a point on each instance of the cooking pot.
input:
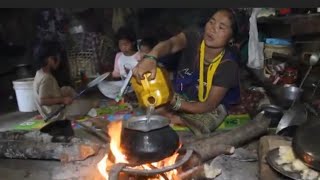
(145, 141)
(306, 144)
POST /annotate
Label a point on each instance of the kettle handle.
(145, 83)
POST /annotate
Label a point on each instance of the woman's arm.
(215, 96)
(170, 46)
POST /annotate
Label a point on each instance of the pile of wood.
(225, 143)
(37, 145)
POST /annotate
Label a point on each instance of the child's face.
(54, 62)
(144, 50)
(125, 45)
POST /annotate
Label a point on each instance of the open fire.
(114, 131)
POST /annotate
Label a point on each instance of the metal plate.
(271, 158)
(97, 80)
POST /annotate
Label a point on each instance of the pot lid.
(140, 123)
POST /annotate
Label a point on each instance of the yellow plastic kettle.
(155, 92)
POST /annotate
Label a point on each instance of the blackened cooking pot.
(145, 142)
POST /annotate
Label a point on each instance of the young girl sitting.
(125, 60)
(128, 56)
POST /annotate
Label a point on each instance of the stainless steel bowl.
(291, 92)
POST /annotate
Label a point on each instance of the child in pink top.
(128, 56)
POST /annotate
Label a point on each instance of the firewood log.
(36, 145)
(235, 137)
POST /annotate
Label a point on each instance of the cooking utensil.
(124, 86)
(289, 95)
(271, 158)
(154, 92)
(295, 116)
(273, 112)
(306, 144)
(92, 83)
(144, 142)
(314, 58)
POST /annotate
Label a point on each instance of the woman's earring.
(231, 43)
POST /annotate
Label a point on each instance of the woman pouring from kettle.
(207, 80)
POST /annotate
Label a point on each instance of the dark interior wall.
(16, 29)
(164, 23)
(16, 36)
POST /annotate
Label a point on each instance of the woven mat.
(109, 113)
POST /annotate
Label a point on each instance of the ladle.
(296, 115)
(314, 58)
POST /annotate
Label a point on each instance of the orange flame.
(114, 131)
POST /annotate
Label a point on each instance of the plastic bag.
(255, 50)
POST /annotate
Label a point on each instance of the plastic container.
(269, 49)
(24, 94)
(155, 92)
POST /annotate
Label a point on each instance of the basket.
(82, 61)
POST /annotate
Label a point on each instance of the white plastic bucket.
(24, 94)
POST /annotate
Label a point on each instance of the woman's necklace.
(210, 73)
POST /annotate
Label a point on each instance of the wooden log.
(195, 172)
(198, 172)
(198, 159)
(235, 137)
(36, 145)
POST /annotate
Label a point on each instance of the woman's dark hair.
(148, 41)
(234, 22)
(235, 32)
(45, 50)
(126, 33)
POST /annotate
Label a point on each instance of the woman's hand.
(144, 66)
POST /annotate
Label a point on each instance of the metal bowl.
(291, 92)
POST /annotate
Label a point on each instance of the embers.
(164, 169)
